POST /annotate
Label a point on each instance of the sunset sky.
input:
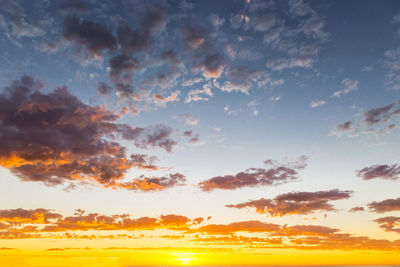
(240, 132)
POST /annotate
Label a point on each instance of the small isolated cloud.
(275, 98)
(388, 172)
(348, 86)
(368, 68)
(317, 103)
(389, 224)
(295, 203)
(356, 209)
(385, 205)
(277, 173)
(187, 119)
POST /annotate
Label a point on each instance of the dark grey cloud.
(55, 138)
(295, 202)
(278, 173)
(134, 41)
(91, 37)
(104, 88)
(388, 172)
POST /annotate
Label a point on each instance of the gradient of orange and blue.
(240, 132)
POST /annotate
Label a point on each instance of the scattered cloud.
(278, 173)
(295, 203)
(348, 86)
(188, 119)
(388, 172)
(385, 205)
(389, 224)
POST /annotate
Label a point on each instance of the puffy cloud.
(317, 103)
(385, 205)
(348, 86)
(212, 66)
(93, 37)
(143, 161)
(132, 41)
(55, 138)
(295, 202)
(194, 36)
(389, 224)
(388, 172)
(278, 173)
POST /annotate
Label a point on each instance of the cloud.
(389, 224)
(295, 203)
(45, 221)
(55, 138)
(244, 226)
(188, 119)
(356, 209)
(151, 22)
(346, 128)
(194, 36)
(74, 7)
(21, 216)
(91, 37)
(388, 172)
(23, 223)
(348, 86)
(385, 205)
(199, 94)
(146, 184)
(391, 61)
(380, 115)
(278, 173)
(317, 103)
(16, 25)
(240, 79)
(376, 122)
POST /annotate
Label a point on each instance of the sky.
(240, 132)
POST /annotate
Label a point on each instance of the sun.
(184, 258)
